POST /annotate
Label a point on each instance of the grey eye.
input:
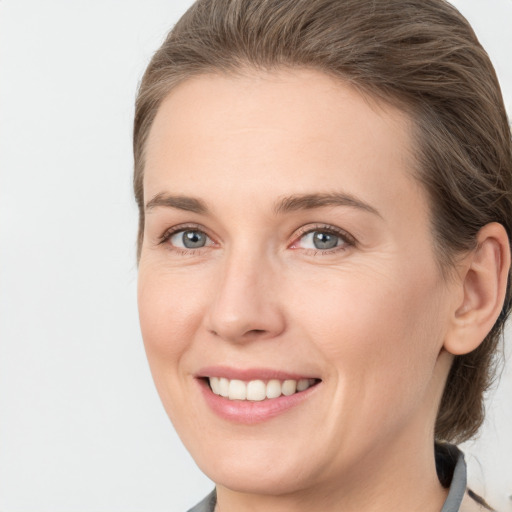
(322, 240)
(189, 239)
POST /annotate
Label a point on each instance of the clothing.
(207, 505)
(451, 468)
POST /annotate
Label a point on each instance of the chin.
(256, 467)
(269, 480)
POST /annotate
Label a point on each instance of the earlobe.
(484, 274)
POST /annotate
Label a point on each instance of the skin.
(370, 318)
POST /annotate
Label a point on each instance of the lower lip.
(248, 412)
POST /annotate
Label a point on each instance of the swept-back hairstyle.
(419, 55)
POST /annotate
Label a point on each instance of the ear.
(483, 284)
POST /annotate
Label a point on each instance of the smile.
(257, 390)
(254, 395)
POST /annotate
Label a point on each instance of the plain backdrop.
(81, 426)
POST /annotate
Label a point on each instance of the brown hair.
(420, 55)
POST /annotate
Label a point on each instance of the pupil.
(193, 239)
(324, 240)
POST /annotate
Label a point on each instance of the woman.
(324, 189)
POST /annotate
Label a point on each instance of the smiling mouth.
(258, 390)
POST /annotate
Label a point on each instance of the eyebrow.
(311, 201)
(189, 204)
(287, 204)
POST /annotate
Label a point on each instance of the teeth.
(303, 384)
(223, 387)
(257, 390)
(273, 389)
(289, 387)
(237, 390)
(214, 384)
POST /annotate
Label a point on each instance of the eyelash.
(180, 228)
(346, 239)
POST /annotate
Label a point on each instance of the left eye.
(189, 239)
(320, 240)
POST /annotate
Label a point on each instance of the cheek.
(380, 329)
(170, 311)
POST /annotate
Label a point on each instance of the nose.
(245, 303)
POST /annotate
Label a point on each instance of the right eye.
(189, 239)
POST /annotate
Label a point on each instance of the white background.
(81, 426)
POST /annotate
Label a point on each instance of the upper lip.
(249, 374)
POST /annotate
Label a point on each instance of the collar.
(450, 461)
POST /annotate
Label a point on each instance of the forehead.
(296, 130)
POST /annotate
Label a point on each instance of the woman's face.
(288, 257)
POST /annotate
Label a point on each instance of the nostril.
(254, 333)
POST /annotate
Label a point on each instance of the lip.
(250, 373)
(244, 411)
